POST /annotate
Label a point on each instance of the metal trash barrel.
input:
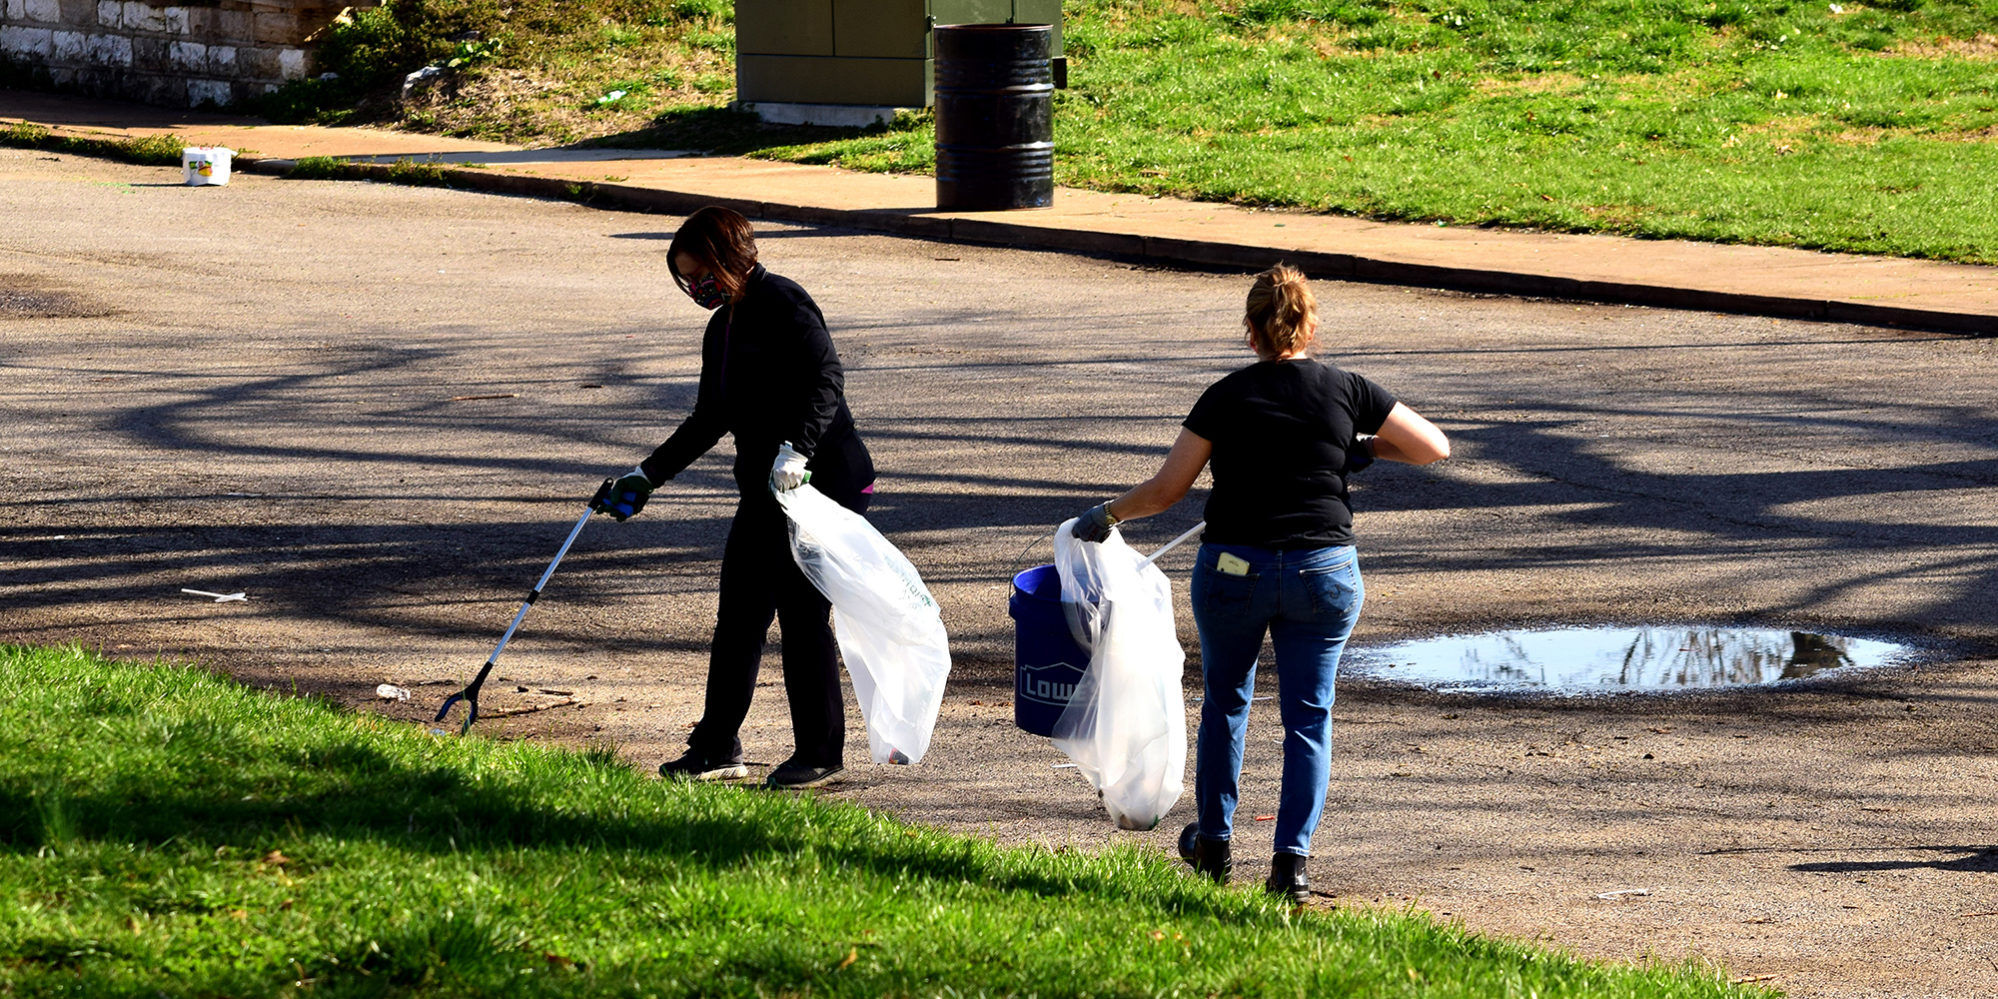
(995, 116)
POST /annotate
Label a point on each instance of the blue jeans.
(1307, 602)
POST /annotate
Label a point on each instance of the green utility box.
(864, 55)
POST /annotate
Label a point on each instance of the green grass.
(323, 168)
(149, 150)
(1780, 123)
(1866, 129)
(406, 171)
(415, 174)
(166, 832)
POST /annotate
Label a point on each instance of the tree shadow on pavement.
(1967, 859)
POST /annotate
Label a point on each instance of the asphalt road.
(376, 410)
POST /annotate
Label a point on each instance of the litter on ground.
(219, 598)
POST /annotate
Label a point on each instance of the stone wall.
(187, 53)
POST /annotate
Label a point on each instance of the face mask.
(706, 292)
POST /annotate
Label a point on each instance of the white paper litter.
(219, 598)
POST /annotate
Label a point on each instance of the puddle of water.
(1613, 659)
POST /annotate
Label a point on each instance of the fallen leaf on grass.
(852, 955)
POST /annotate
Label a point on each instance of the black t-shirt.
(1280, 430)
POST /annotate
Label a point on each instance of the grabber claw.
(603, 494)
(470, 695)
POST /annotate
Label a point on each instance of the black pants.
(760, 581)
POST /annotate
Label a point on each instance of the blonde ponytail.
(1281, 312)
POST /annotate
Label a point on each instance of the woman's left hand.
(788, 472)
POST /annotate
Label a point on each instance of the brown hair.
(720, 238)
(1281, 312)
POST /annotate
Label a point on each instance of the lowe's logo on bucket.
(1053, 683)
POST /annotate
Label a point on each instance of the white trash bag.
(889, 629)
(1125, 727)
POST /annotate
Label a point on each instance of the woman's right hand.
(1360, 455)
(1095, 525)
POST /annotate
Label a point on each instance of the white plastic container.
(206, 165)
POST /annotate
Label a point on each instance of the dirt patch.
(1537, 83)
(1980, 47)
(1988, 133)
(24, 298)
(521, 105)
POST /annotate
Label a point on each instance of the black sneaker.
(1287, 880)
(694, 766)
(794, 776)
(1208, 856)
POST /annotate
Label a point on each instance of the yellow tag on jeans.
(1233, 565)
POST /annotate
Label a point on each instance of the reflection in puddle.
(1598, 660)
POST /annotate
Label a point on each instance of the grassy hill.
(164, 832)
(1865, 128)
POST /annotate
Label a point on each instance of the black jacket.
(769, 374)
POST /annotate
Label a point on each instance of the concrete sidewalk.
(1672, 274)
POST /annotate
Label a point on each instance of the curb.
(1175, 250)
(1158, 250)
(1188, 252)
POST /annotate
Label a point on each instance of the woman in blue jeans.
(1277, 558)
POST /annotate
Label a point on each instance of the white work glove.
(788, 472)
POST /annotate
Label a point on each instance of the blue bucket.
(1047, 663)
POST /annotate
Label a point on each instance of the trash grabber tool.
(470, 695)
(1176, 542)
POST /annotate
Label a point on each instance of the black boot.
(1208, 856)
(1287, 880)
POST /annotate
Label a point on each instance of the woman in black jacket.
(769, 376)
